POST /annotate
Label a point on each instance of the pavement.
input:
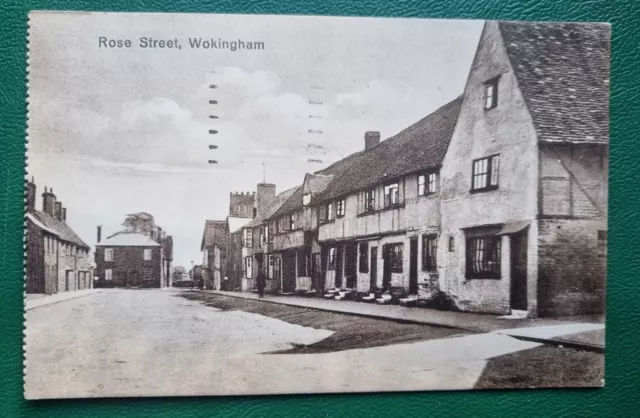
(37, 300)
(578, 332)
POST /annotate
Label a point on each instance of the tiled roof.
(563, 72)
(128, 239)
(292, 203)
(61, 229)
(316, 183)
(215, 232)
(421, 146)
(277, 203)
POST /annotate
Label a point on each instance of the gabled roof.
(276, 204)
(62, 230)
(215, 232)
(421, 146)
(292, 203)
(316, 183)
(128, 239)
(563, 72)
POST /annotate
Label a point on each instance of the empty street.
(168, 342)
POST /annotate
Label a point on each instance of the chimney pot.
(99, 231)
(64, 214)
(371, 139)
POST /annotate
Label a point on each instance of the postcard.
(254, 205)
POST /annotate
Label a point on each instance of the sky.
(122, 130)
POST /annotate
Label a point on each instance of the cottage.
(57, 258)
(258, 242)
(496, 200)
(524, 181)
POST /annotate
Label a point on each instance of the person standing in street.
(261, 283)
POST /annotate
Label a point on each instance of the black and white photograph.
(266, 204)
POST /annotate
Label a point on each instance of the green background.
(618, 398)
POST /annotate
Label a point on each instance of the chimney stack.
(31, 196)
(64, 214)
(371, 139)
(48, 202)
(58, 211)
(99, 233)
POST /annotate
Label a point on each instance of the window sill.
(326, 222)
(484, 189)
(492, 276)
(373, 212)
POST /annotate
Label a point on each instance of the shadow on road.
(350, 331)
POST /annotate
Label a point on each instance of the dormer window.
(490, 98)
(306, 199)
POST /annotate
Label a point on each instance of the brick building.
(134, 259)
(57, 258)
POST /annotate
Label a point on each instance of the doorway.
(350, 265)
(413, 265)
(519, 271)
(338, 271)
(386, 267)
(289, 272)
(374, 269)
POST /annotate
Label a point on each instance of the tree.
(141, 222)
(178, 273)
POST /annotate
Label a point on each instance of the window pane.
(432, 183)
(495, 165)
(421, 188)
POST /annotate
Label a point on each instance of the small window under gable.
(306, 199)
(490, 97)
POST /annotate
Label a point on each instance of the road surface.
(157, 343)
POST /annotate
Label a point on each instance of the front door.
(374, 269)
(350, 266)
(134, 279)
(519, 271)
(323, 267)
(338, 271)
(289, 272)
(413, 265)
(386, 267)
